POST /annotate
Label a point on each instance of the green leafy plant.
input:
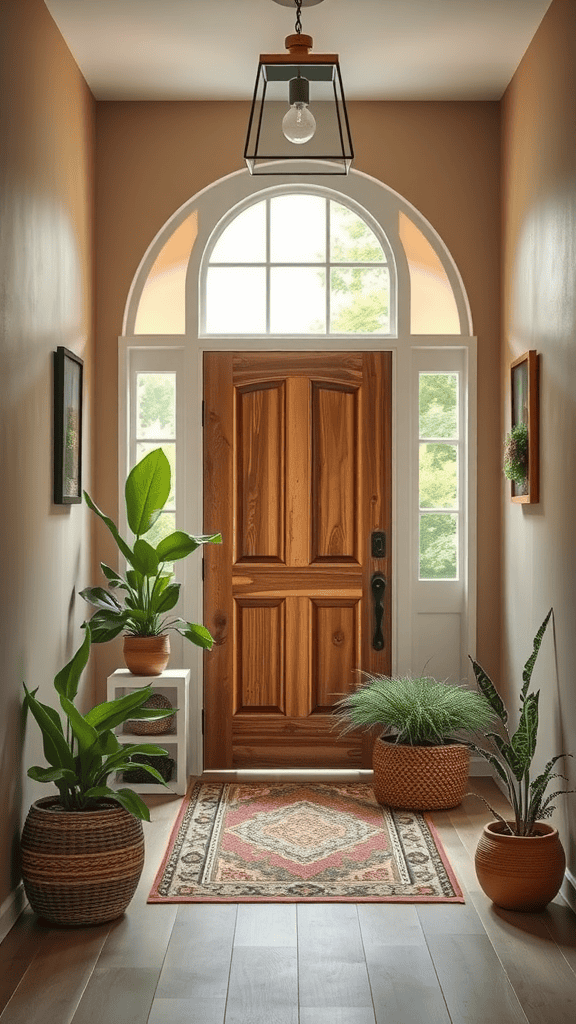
(512, 756)
(84, 752)
(416, 712)
(149, 590)
(516, 453)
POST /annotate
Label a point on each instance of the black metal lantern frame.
(267, 151)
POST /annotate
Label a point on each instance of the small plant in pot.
(149, 590)
(83, 850)
(419, 762)
(516, 454)
(520, 863)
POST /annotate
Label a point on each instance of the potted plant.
(520, 863)
(148, 585)
(418, 761)
(516, 453)
(83, 849)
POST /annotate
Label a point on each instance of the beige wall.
(46, 300)
(443, 157)
(539, 312)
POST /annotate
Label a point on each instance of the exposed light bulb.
(299, 124)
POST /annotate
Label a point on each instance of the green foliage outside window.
(156, 404)
(438, 552)
(438, 405)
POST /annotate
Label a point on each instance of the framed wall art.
(68, 374)
(521, 461)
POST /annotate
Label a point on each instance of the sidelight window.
(438, 475)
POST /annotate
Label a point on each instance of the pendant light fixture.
(298, 122)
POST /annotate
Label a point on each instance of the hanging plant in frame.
(521, 443)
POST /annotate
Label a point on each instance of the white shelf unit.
(173, 684)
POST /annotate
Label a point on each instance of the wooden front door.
(297, 478)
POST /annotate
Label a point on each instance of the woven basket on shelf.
(81, 867)
(420, 778)
(163, 764)
(155, 728)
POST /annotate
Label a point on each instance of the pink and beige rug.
(300, 842)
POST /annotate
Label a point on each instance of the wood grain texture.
(474, 983)
(250, 367)
(305, 741)
(259, 473)
(336, 637)
(337, 1015)
(259, 644)
(197, 963)
(117, 995)
(335, 474)
(206, 1010)
(332, 967)
(263, 986)
(266, 924)
(405, 986)
(53, 985)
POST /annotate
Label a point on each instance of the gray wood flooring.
(300, 963)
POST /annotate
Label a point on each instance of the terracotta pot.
(520, 872)
(81, 867)
(146, 655)
(420, 778)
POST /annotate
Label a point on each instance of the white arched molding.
(434, 623)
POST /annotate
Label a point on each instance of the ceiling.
(208, 49)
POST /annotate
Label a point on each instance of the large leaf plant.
(83, 752)
(148, 584)
(512, 755)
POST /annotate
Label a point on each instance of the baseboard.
(11, 909)
(568, 889)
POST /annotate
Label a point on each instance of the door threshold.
(288, 775)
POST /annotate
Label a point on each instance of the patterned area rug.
(301, 842)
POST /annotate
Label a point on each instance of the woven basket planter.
(154, 728)
(146, 655)
(520, 872)
(420, 778)
(81, 867)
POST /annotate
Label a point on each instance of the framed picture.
(68, 373)
(524, 408)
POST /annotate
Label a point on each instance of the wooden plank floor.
(300, 963)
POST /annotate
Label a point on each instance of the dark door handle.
(378, 584)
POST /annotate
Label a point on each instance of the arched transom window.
(298, 264)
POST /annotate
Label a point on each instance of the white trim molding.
(451, 604)
(11, 909)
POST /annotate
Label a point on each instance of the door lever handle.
(378, 585)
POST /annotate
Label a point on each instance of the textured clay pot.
(420, 778)
(146, 655)
(81, 867)
(520, 872)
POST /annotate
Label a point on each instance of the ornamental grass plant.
(418, 712)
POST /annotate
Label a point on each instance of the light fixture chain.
(298, 16)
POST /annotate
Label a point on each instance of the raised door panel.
(260, 669)
(336, 630)
(335, 473)
(259, 475)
